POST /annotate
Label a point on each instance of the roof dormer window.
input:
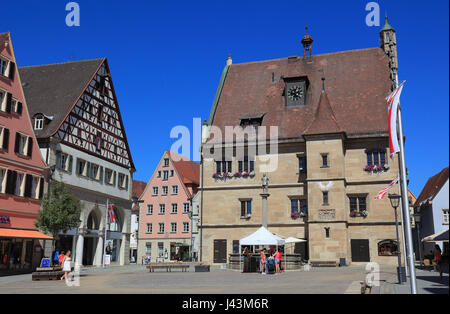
(39, 123)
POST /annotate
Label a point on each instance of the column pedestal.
(264, 209)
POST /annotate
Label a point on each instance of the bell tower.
(307, 43)
(388, 42)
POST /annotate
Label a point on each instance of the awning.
(294, 240)
(23, 234)
(437, 237)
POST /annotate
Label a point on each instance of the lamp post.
(417, 221)
(395, 202)
(190, 215)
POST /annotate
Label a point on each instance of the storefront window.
(387, 248)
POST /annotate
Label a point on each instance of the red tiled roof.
(138, 188)
(433, 186)
(324, 119)
(188, 170)
(358, 82)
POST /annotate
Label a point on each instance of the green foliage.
(60, 210)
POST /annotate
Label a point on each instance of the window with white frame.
(174, 189)
(96, 172)
(82, 167)
(149, 209)
(445, 216)
(110, 177)
(174, 209)
(35, 187)
(123, 181)
(166, 162)
(2, 100)
(185, 227)
(165, 190)
(173, 227)
(149, 228)
(3, 178)
(4, 67)
(23, 145)
(64, 161)
(39, 123)
(161, 227)
(186, 208)
(20, 184)
(4, 138)
(165, 175)
(162, 209)
(155, 191)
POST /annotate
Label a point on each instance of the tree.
(60, 211)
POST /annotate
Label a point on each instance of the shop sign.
(5, 220)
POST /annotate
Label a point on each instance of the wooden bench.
(168, 267)
(47, 275)
(324, 263)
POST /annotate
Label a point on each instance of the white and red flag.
(111, 214)
(393, 101)
(383, 192)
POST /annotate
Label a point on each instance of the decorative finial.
(229, 60)
(323, 84)
(307, 42)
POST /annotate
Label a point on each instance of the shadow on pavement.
(437, 290)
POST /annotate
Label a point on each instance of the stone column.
(98, 260)
(79, 251)
(264, 209)
(125, 249)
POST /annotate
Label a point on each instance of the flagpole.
(405, 256)
(404, 194)
(106, 223)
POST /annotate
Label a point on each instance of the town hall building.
(332, 155)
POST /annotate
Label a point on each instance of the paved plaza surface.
(428, 282)
(137, 280)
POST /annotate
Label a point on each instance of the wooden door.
(360, 250)
(220, 251)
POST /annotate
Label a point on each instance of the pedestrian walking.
(438, 259)
(67, 268)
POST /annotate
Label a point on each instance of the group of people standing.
(267, 260)
(65, 262)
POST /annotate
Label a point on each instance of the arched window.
(93, 222)
(387, 248)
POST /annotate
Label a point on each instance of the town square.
(239, 148)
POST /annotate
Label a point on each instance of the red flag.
(111, 214)
(383, 192)
(393, 101)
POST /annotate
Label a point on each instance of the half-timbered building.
(78, 124)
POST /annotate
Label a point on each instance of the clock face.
(295, 93)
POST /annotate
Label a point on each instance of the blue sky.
(166, 58)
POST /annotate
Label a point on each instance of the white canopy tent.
(292, 240)
(261, 237)
(437, 237)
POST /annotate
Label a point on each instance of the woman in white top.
(67, 267)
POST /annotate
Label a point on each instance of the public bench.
(47, 273)
(324, 263)
(168, 267)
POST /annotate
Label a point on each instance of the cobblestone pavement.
(137, 280)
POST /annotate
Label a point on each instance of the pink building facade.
(164, 219)
(21, 172)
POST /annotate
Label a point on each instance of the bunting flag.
(111, 214)
(393, 101)
(383, 192)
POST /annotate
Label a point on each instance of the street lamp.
(395, 202)
(417, 221)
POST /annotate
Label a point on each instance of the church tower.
(388, 42)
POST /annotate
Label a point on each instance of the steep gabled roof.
(324, 120)
(188, 170)
(138, 188)
(433, 186)
(53, 89)
(358, 81)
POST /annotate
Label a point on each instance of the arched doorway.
(91, 238)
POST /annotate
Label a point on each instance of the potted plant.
(295, 215)
(237, 174)
(353, 213)
(245, 174)
(252, 174)
(364, 213)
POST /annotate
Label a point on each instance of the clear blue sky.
(166, 57)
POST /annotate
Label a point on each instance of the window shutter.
(8, 102)
(101, 174)
(11, 182)
(5, 139)
(17, 144)
(19, 108)
(41, 189)
(70, 163)
(30, 147)
(78, 167)
(115, 175)
(12, 70)
(126, 184)
(28, 184)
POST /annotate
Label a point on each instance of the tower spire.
(388, 42)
